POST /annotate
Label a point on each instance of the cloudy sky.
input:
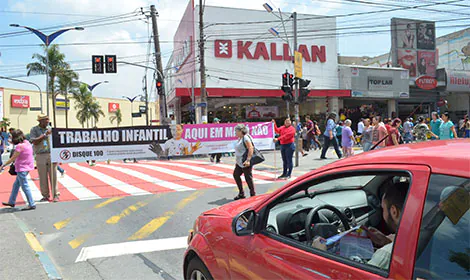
(115, 27)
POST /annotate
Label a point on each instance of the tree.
(5, 122)
(54, 61)
(117, 117)
(67, 81)
(88, 108)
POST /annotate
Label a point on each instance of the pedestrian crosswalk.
(83, 182)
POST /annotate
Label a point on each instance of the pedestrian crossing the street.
(84, 182)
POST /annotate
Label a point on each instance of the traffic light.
(284, 79)
(160, 87)
(291, 81)
(303, 90)
(97, 64)
(111, 66)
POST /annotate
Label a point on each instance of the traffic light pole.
(296, 97)
(158, 58)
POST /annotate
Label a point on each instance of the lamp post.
(47, 40)
(26, 82)
(269, 9)
(131, 100)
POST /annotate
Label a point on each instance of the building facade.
(21, 107)
(244, 64)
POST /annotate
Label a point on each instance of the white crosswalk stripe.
(77, 189)
(113, 182)
(34, 189)
(150, 179)
(186, 176)
(207, 171)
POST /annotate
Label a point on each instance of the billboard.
(78, 145)
(414, 46)
(113, 107)
(20, 101)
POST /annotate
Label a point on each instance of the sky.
(127, 35)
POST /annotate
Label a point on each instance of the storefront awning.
(239, 92)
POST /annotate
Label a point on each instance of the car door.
(266, 255)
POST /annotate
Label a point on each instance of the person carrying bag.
(245, 158)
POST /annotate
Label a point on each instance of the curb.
(33, 242)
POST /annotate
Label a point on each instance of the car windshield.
(342, 183)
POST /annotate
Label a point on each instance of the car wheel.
(197, 270)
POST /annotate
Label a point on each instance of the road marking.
(79, 240)
(77, 189)
(34, 189)
(150, 179)
(33, 242)
(130, 248)
(43, 257)
(133, 208)
(109, 201)
(187, 176)
(156, 223)
(209, 171)
(110, 180)
(62, 224)
(271, 190)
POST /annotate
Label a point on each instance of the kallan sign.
(271, 51)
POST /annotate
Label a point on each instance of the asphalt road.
(65, 229)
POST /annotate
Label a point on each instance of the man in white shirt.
(393, 201)
(360, 127)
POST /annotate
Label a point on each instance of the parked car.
(270, 236)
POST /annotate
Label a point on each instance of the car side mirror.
(243, 223)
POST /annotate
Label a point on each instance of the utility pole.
(144, 88)
(202, 65)
(296, 97)
(158, 58)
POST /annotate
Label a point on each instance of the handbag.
(256, 158)
(12, 170)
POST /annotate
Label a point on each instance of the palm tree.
(54, 61)
(88, 108)
(67, 81)
(95, 111)
(117, 117)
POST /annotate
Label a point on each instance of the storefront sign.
(354, 71)
(262, 112)
(378, 83)
(20, 101)
(61, 105)
(78, 145)
(248, 50)
(404, 95)
(298, 65)
(357, 94)
(458, 81)
(426, 82)
(113, 107)
(142, 109)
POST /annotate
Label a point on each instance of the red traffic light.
(110, 59)
(285, 75)
(291, 76)
(159, 84)
(97, 60)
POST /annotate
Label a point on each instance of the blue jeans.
(326, 145)
(366, 146)
(287, 153)
(21, 181)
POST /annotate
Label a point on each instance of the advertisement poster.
(20, 101)
(61, 105)
(407, 59)
(406, 34)
(262, 112)
(427, 63)
(78, 145)
(426, 36)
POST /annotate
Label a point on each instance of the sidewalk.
(18, 260)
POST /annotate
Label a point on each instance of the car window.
(343, 183)
(444, 242)
(288, 218)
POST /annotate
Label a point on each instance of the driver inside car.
(393, 201)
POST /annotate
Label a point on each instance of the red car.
(272, 236)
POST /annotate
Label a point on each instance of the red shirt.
(393, 131)
(286, 134)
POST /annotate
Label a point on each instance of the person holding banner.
(286, 139)
(243, 144)
(42, 149)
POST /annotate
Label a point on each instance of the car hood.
(233, 208)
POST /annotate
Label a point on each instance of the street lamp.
(92, 87)
(131, 100)
(47, 40)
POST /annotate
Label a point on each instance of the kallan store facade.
(244, 64)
